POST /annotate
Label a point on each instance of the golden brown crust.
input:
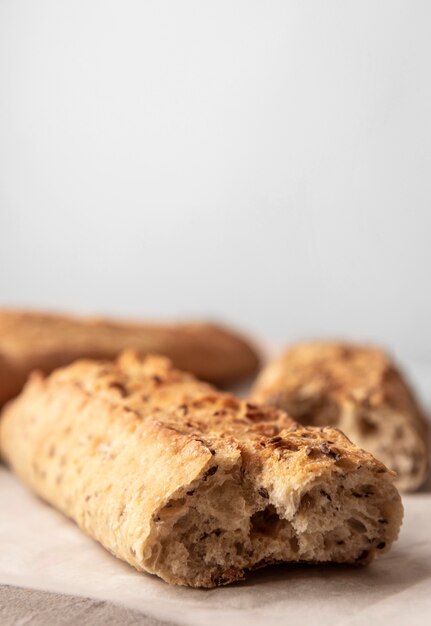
(358, 389)
(30, 340)
(173, 476)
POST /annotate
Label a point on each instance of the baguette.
(46, 341)
(358, 389)
(192, 484)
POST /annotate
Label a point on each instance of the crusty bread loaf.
(46, 341)
(191, 484)
(359, 390)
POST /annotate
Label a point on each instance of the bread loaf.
(359, 390)
(45, 341)
(189, 483)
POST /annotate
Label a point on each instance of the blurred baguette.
(33, 340)
(358, 389)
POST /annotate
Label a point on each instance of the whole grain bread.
(192, 484)
(30, 340)
(358, 389)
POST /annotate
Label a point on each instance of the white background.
(266, 163)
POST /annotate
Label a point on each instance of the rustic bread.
(47, 341)
(192, 484)
(359, 390)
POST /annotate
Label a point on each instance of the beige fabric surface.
(19, 606)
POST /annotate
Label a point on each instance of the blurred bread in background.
(357, 389)
(34, 340)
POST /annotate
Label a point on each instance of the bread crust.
(358, 389)
(32, 340)
(189, 483)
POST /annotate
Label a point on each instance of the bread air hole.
(265, 522)
(314, 411)
(356, 525)
(399, 433)
(367, 427)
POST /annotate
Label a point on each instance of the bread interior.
(231, 522)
